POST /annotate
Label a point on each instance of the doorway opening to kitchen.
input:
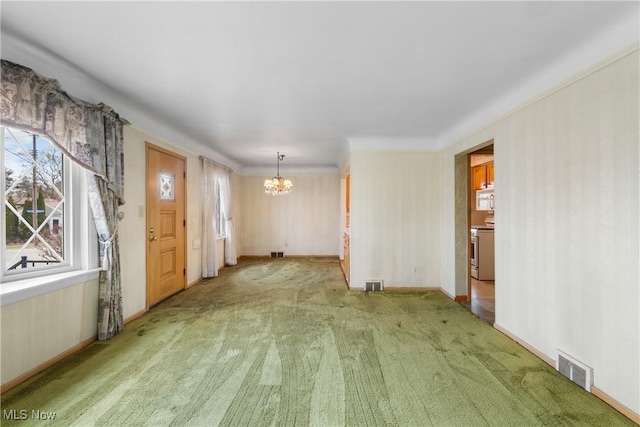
(475, 186)
(481, 287)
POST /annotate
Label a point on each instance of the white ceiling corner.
(239, 81)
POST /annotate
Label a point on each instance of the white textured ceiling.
(245, 80)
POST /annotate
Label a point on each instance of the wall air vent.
(277, 254)
(575, 370)
(373, 285)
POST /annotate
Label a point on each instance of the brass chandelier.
(277, 185)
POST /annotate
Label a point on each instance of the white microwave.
(485, 200)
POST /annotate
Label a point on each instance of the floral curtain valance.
(89, 134)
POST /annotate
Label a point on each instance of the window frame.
(80, 236)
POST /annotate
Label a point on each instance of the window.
(42, 218)
(219, 217)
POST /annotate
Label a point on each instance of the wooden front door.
(166, 225)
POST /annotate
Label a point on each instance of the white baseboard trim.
(624, 410)
(627, 412)
(134, 316)
(41, 367)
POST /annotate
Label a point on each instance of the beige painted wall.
(305, 222)
(395, 218)
(133, 226)
(39, 329)
(567, 231)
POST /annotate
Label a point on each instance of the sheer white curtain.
(230, 257)
(216, 185)
(209, 235)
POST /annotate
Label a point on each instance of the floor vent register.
(373, 285)
(575, 370)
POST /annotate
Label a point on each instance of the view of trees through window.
(34, 201)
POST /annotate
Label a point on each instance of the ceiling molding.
(289, 171)
(80, 84)
(616, 41)
(422, 85)
(392, 144)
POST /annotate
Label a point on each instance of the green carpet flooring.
(282, 342)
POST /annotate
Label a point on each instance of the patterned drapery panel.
(104, 207)
(89, 134)
(23, 96)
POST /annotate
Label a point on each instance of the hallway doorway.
(475, 227)
(482, 299)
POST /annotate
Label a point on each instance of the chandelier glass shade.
(277, 185)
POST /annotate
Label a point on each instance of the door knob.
(152, 238)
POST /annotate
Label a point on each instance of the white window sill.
(21, 290)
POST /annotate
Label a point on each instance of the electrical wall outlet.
(196, 244)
